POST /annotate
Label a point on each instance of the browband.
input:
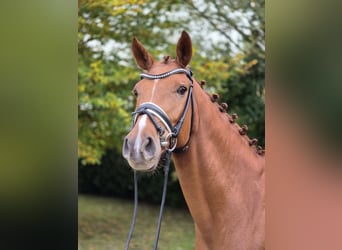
(166, 74)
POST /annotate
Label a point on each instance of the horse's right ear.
(184, 50)
(143, 59)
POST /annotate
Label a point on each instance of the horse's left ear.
(184, 50)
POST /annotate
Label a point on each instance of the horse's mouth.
(149, 166)
(151, 169)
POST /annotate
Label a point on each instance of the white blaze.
(141, 126)
(155, 82)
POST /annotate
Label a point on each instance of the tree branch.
(212, 23)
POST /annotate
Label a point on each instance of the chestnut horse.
(221, 171)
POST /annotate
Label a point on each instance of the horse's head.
(162, 102)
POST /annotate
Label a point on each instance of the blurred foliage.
(228, 41)
(114, 177)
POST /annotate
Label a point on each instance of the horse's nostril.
(149, 141)
(149, 144)
(136, 151)
(126, 149)
(150, 148)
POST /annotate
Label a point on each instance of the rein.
(169, 142)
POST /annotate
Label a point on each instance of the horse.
(220, 170)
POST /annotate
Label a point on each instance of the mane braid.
(232, 119)
(166, 59)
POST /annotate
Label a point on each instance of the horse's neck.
(220, 175)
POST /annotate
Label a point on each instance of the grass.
(103, 224)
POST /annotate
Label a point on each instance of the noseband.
(169, 142)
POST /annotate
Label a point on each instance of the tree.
(227, 38)
(243, 56)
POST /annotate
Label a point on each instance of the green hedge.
(114, 177)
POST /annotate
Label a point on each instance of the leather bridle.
(168, 142)
(153, 111)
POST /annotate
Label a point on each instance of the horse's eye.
(181, 90)
(135, 92)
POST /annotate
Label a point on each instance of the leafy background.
(229, 53)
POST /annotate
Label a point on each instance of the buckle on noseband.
(152, 110)
(169, 142)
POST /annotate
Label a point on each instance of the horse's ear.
(184, 50)
(141, 55)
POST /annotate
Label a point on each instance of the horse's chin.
(144, 166)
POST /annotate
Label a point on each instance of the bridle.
(168, 142)
(152, 110)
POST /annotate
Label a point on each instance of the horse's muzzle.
(141, 153)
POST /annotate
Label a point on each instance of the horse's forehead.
(161, 67)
